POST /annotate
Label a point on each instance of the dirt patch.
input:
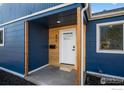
(10, 79)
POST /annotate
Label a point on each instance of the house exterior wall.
(108, 63)
(13, 11)
(38, 45)
(12, 54)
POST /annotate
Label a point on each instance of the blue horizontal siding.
(38, 46)
(66, 8)
(108, 63)
(10, 11)
(12, 53)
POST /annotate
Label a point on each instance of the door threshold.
(67, 67)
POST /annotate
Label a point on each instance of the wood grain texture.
(54, 53)
(26, 48)
(54, 40)
(78, 45)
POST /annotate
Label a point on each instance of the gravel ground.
(97, 80)
(10, 79)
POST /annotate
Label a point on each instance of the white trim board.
(110, 23)
(2, 29)
(98, 50)
(106, 15)
(12, 72)
(36, 13)
(104, 75)
(21, 75)
(38, 69)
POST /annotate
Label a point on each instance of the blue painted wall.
(38, 45)
(112, 64)
(10, 11)
(12, 53)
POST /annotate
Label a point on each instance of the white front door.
(67, 46)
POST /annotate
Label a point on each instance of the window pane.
(111, 37)
(1, 37)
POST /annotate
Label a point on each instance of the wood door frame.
(26, 32)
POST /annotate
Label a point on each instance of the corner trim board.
(38, 68)
(12, 72)
(105, 75)
(26, 32)
(78, 44)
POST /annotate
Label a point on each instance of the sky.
(97, 7)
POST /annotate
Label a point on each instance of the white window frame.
(98, 50)
(2, 29)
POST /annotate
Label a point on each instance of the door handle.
(73, 49)
(73, 46)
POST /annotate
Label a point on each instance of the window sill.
(111, 51)
(1, 45)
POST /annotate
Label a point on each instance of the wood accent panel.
(26, 47)
(54, 53)
(78, 45)
(54, 39)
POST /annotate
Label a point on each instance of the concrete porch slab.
(51, 75)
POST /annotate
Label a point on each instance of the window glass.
(1, 36)
(111, 37)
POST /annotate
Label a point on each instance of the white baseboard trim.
(104, 75)
(12, 72)
(38, 68)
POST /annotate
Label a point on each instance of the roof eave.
(100, 16)
(107, 15)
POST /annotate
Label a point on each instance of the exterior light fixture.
(58, 22)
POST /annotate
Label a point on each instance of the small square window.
(110, 38)
(2, 37)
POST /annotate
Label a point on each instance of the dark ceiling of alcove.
(65, 18)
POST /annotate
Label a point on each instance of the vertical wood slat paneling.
(78, 39)
(26, 31)
(54, 53)
(54, 40)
